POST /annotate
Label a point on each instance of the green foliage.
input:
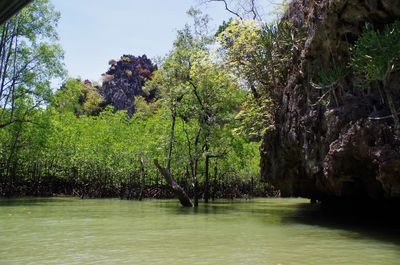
(91, 100)
(259, 55)
(66, 99)
(377, 53)
(241, 42)
(38, 57)
(205, 99)
(280, 8)
(258, 52)
(30, 57)
(73, 146)
(254, 120)
(223, 26)
(77, 97)
(376, 56)
(328, 77)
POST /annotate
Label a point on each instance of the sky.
(94, 31)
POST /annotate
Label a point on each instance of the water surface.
(260, 231)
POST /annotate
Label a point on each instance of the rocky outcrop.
(125, 80)
(347, 147)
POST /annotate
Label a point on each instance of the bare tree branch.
(227, 8)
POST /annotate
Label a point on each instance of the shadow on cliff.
(379, 222)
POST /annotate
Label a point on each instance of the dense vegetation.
(100, 140)
(193, 122)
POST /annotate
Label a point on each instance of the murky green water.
(261, 231)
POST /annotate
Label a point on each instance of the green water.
(261, 231)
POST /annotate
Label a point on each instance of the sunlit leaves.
(31, 58)
(78, 97)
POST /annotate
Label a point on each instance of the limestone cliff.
(124, 80)
(347, 148)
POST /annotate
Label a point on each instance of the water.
(261, 231)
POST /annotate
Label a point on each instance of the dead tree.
(166, 172)
(175, 187)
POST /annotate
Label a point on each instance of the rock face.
(125, 80)
(347, 148)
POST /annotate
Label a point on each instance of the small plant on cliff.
(329, 77)
(327, 80)
(376, 56)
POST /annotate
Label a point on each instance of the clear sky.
(94, 31)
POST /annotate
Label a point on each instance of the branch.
(253, 9)
(178, 190)
(382, 118)
(196, 94)
(16, 120)
(226, 8)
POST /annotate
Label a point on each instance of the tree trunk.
(142, 178)
(215, 180)
(193, 165)
(171, 139)
(195, 184)
(206, 185)
(251, 187)
(392, 108)
(175, 187)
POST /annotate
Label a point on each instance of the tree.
(167, 80)
(187, 116)
(29, 58)
(259, 54)
(173, 80)
(200, 94)
(78, 97)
